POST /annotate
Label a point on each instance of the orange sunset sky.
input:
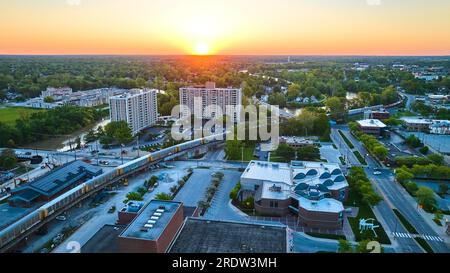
(242, 27)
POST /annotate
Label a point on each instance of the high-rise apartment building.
(137, 107)
(213, 98)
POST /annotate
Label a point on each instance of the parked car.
(61, 218)
(376, 172)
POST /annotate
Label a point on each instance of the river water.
(62, 143)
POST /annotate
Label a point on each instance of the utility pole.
(121, 152)
(138, 144)
(242, 156)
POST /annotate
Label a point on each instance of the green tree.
(285, 151)
(443, 188)
(277, 98)
(49, 99)
(436, 159)
(380, 152)
(345, 246)
(8, 159)
(411, 187)
(425, 197)
(336, 106)
(309, 153)
(424, 150)
(403, 175)
(413, 141)
(293, 91)
(119, 131)
(163, 196)
(134, 196)
(389, 95)
(90, 136)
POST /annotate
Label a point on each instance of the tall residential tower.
(137, 107)
(212, 97)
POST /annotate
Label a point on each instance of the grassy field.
(9, 115)
(248, 154)
(365, 212)
(360, 158)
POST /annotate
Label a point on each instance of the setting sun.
(202, 48)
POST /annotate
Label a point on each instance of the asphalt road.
(397, 197)
(401, 200)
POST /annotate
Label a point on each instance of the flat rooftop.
(371, 123)
(323, 205)
(9, 214)
(133, 93)
(104, 241)
(296, 140)
(416, 120)
(268, 171)
(135, 229)
(279, 191)
(210, 236)
(56, 180)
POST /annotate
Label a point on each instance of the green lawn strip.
(360, 158)
(349, 143)
(405, 222)
(276, 158)
(422, 242)
(424, 245)
(326, 236)
(9, 115)
(438, 222)
(365, 212)
(248, 153)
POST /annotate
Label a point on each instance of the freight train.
(58, 204)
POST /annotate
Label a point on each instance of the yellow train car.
(177, 149)
(86, 188)
(119, 171)
(150, 159)
(43, 213)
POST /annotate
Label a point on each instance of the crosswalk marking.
(423, 236)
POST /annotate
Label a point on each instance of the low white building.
(371, 126)
(313, 190)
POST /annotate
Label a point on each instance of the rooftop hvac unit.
(148, 226)
(160, 210)
(162, 207)
(151, 222)
(144, 229)
(154, 218)
(157, 214)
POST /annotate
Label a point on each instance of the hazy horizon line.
(234, 55)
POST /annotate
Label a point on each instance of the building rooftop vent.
(275, 188)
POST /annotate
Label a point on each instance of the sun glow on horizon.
(233, 27)
(202, 48)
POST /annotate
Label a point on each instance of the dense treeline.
(375, 147)
(311, 122)
(28, 75)
(359, 182)
(43, 125)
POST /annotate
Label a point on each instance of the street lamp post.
(121, 152)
